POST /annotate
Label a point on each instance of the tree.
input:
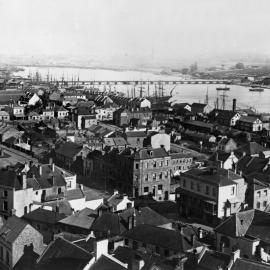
(239, 66)
(193, 68)
(184, 71)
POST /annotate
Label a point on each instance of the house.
(34, 116)
(119, 202)
(258, 192)
(135, 138)
(247, 231)
(79, 222)
(105, 113)
(4, 116)
(243, 264)
(224, 160)
(181, 106)
(61, 112)
(250, 149)
(29, 99)
(15, 234)
(210, 193)
(199, 126)
(250, 124)
(15, 111)
(67, 153)
(165, 245)
(63, 254)
(225, 117)
(45, 221)
(227, 145)
(200, 108)
(115, 142)
(8, 131)
(48, 113)
(85, 117)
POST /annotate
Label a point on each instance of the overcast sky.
(135, 28)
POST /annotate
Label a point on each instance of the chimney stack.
(235, 255)
(24, 181)
(234, 105)
(40, 169)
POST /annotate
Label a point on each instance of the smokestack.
(234, 105)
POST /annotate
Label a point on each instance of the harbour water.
(260, 101)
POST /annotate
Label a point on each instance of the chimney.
(100, 247)
(235, 255)
(1, 152)
(24, 181)
(137, 263)
(192, 239)
(200, 233)
(234, 105)
(53, 167)
(40, 169)
(50, 161)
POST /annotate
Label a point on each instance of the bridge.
(139, 82)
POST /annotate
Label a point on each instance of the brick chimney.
(24, 181)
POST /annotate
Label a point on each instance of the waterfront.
(181, 93)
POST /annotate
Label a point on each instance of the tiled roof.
(61, 250)
(214, 175)
(108, 223)
(252, 222)
(69, 149)
(157, 236)
(245, 264)
(82, 219)
(135, 134)
(251, 148)
(44, 216)
(11, 230)
(149, 153)
(107, 263)
(74, 194)
(249, 119)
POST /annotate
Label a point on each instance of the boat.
(256, 89)
(223, 88)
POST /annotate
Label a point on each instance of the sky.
(135, 29)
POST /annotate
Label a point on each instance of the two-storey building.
(210, 193)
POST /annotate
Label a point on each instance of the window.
(160, 175)
(157, 250)
(258, 205)
(5, 205)
(5, 193)
(36, 193)
(167, 162)
(146, 177)
(7, 257)
(265, 192)
(161, 164)
(191, 185)
(166, 252)
(184, 182)
(160, 187)
(146, 165)
(214, 192)
(155, 164)
(154, 176)
(232, 190)
(59, 191)
(259, 194)
(126, 242)
(136, 165)
(68, 184)
(207, 190)
(198, 187)
(146, 189)
(264, 203)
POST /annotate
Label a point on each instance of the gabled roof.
(12, 228)
(249, 119)
(107, 262)
(251, 148)
(81, 219)
(157, 236)
(44, 216)
(108, 223)
(64, 255)
(9, 178)
(135, 134)
(252, 222)
(245, 264)
(69, 149)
